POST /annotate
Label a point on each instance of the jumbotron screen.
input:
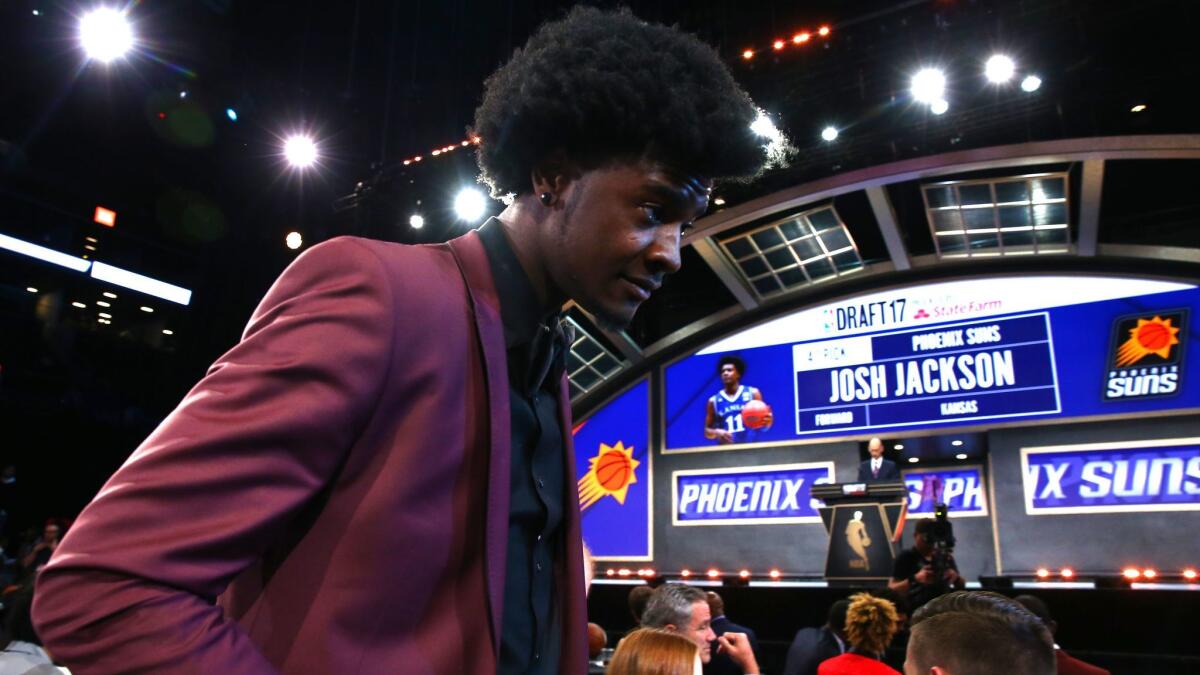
(969, 352)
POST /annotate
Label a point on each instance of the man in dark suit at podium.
(877, 469)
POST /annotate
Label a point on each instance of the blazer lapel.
(485, 303)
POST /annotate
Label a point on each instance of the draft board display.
(960, 488)
(1158, 475)
(613, 469)
(994, 350)
(752, 495)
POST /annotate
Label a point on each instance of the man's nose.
(664, 251)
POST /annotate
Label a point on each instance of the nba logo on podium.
(1145, 356)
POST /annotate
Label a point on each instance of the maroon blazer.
(332, 497)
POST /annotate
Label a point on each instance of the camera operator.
(928, 570)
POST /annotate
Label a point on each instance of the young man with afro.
(303, 511)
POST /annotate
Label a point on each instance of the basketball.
(1153, 336)
(612, 471)
(755, 414)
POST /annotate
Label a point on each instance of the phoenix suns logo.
(1145, 357)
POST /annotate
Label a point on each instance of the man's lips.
(642, 287)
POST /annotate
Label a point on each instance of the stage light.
(1131, 573)
(1149, 573)
(105, 217)
(148, 310)
(748, 54)
(416, 221)
(611, 572)
(105, 34)
(1138, 108)
(1067, 573)
(961, 455)
(465, 143)
(719, 201)
(42, 253)
(999, 69)
(435, 153)
(829, 134)
(1043, 573)
(939, 106)
(78, 304)
(37, 13)
(168, 331)
(685, 573)
(104, 315)
(111, 296)
(913, 460)
(31, 289)
(745, 574)
(1190, 574)
(231, 114)
(763, 126)
(300, 151)
(775, 574)
(928, 85)
(470, 205)
(713, 574)
(1031, 83)
(183, 94)
(823, 31)
(956, 442)
(898, 446)
(778, 45)
(801, 38)
(624, 572)
(294, 240)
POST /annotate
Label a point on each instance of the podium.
(862, 520)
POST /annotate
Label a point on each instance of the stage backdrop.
(1006, 350)
(1098, 496)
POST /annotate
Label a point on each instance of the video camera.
(941, 537)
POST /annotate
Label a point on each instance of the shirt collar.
(520, 309)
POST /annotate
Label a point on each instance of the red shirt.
(853, 664)
(1069, 665)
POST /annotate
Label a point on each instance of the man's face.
(700, 631)
(875, 447)
(618, 235)
(729, 374)
(921, 542)
(50, 533)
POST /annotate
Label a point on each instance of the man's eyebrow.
(672, 196)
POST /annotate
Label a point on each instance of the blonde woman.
(653, 651)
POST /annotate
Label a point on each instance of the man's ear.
(938, 670)
(553, 174)
(671, 627)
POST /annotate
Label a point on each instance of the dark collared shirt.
(530, 633)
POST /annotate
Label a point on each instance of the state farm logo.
(921, 314)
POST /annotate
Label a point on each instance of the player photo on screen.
(737, 412)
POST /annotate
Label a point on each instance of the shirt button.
(541, 483)
(537, 567)
(537, 656)
(539, 538)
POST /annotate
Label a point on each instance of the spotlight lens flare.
(294, 240)
(470, 205)
(829, 134)
(928, 85)
(939, 107)
(1031, 83)
(105, 34)
(416, 221)
(999, 69)
(300, 151)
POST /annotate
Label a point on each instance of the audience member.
(721, 664)
(39, 552)
(597, 640)
(811, 646)
(870, 624)
(638, 597)
(978, 633)
(651, 651)
(684, 609)
(1067, 664)
(894, 656)
(913, 572)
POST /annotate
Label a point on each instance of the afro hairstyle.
(596, 87)
(735, 360)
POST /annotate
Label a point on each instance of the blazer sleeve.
(864, 472)
(132, 586)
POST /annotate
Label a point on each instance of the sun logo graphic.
(1150, 336)
(610, 473)
(1146, 356)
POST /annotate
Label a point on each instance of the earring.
(546, 198)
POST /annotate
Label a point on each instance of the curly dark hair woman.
(871, 623)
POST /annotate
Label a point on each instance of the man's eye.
(653, 213)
